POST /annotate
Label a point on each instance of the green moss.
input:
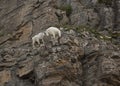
(81, 28)
(98, 35)
(67, 27)
(93, 31)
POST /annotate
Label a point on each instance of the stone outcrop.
(76, 60)
(82, 57)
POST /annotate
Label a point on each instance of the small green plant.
(67, 27)
(67, 9)
(81, 28)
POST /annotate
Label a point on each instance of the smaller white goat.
(53, 31)
(37, 39)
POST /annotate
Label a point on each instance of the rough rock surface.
(81, 57)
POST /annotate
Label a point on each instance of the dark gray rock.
(81, 57)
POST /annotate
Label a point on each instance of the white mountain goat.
(53, 31)
(37, 39)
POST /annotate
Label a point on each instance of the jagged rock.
(25, 67)
(109, 66)
(7, 64)
(80, 57)
(5, 76)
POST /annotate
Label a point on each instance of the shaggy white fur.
(53, 31)
(37, 39)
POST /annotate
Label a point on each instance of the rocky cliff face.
(83, 56)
